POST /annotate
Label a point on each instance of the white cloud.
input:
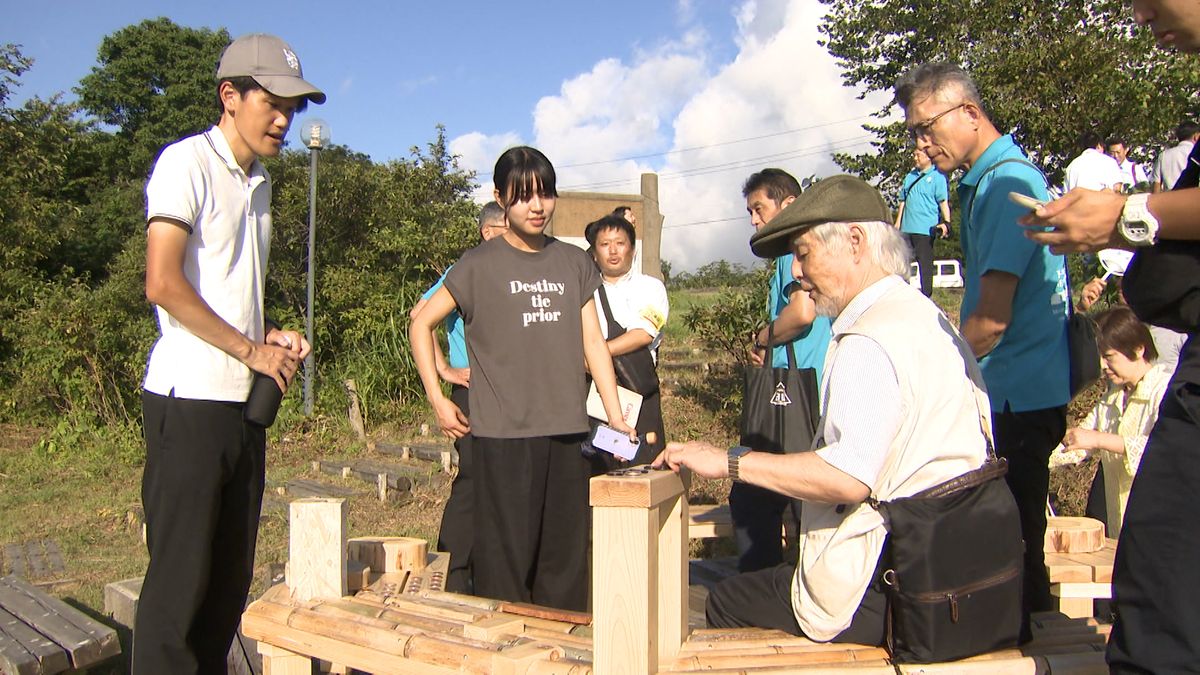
(670, 98)
(479, 151)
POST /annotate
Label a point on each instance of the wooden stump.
(1073, 535)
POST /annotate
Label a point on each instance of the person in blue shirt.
(924, 212)
(1014, 309)
(457, 528)
(794, 326)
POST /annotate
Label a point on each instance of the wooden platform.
(41, 634)
(1078, 579)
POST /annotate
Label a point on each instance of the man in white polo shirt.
(208, 238)
(1093, 169)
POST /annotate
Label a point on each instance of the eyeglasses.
(923, 129)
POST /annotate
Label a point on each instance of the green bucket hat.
(838, 199)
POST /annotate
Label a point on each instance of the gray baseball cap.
(272, 64)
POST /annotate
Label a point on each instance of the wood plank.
(54, 557)
(87, 642)
(624, 591)
(24, 650)
(303, 488)
(706, 521)
(35, 553)
(540, 612)
(1063, 567)
(317, 549)
(671, 572)
(14, 558)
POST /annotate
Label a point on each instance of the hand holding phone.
(612, 441)
(1026, 201)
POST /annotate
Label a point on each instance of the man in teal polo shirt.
(1014, 310)
(757, 513)
(924, 210)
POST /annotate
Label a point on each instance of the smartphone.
(612, 441)
(1026, 201)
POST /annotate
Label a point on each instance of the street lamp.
(315, 135)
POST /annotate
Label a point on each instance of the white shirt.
(637, 301)
(860, 377)
(1132, 173)
(1171, 163)
(1093, 170)
(198, 183)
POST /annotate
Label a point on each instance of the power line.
(701, 147)
(736, 164)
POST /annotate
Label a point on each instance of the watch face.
(1137, 232)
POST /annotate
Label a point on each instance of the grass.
(82, 491)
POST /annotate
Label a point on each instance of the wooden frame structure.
(638, 625)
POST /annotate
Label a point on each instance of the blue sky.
(702, 92)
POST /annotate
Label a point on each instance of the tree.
(155, 83)
(1046, 71)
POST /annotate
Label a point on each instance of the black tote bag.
(779, 405)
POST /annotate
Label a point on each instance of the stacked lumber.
(426, 632)
(42, 634)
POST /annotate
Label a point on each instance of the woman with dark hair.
(1119, 426)
(633, 310)
(531, 325)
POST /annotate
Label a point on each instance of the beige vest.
(941, 436)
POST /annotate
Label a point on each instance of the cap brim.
(287, 86)
(778, 242)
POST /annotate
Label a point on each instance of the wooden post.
(355, 412)
(639, 566)
(278, 661)
(317, 549)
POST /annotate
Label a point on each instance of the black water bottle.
(263, 403)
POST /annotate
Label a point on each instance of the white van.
(946, 274)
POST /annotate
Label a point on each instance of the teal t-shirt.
(811, 345)
(923, 191)
(455, 333)
(1029, 367)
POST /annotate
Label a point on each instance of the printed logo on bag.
(780, 397)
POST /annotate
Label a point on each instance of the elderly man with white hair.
(901, 407)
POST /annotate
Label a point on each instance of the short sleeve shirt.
(922, 193)
(637, 301)
(810, 346)
(1028, 368)
(197, 183)
(456, 336)
(523, 312)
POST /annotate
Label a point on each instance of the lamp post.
(315, 134)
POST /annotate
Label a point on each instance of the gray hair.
(490, 211)
(934, 78)
(886, 246)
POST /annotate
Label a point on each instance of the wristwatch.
(1137, 225)
(735, 456)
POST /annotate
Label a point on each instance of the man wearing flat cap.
(208, 237)
(900, 413)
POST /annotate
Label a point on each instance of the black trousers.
(1026, 440)
(922, 246)
(757, 515)
(202, 492)
(763, 599)
(531, 520)
(1155, 587)
(458, 517)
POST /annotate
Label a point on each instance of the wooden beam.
(644, 490)
(624, 592)
(317, 549)
(278, 661)
(672, 576)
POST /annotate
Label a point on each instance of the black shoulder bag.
(1082, 352)
(635, 370)
(953, 565)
